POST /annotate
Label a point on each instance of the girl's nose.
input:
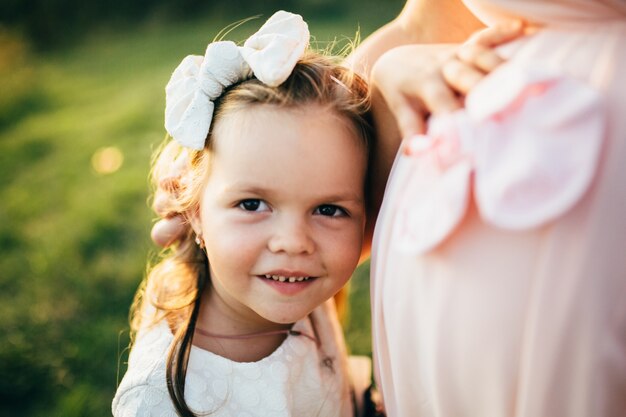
(292, 236)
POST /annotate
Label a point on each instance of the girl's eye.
(253, 204)
(330, 211)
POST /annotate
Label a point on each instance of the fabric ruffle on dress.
(523, 165)
(561, 13)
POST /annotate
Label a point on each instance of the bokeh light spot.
(107, 160)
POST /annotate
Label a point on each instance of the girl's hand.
(172, 225)
(418, 80)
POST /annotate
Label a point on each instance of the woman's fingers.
(418, 80)
(462, 77)
(437, 95)
(479, 56)
(498, 34)
(476, 58)
(433, 95)
(409, 79)
(409, 119)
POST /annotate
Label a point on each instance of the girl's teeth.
(281, 278)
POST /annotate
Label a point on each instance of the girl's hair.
(173, 286)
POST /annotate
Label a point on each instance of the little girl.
(239, 319)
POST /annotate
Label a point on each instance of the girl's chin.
(285, 317)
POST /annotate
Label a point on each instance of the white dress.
(295, 380)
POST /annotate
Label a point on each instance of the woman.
(498, 291)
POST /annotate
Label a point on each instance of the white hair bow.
(270, 54)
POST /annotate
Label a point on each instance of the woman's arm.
(419, 22)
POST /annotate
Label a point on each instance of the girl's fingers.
(171, 181)
(172, 225)
(171, 184)
(461, 76)
(167, 231)
(162, 203)
(181, 164)
(498, 34)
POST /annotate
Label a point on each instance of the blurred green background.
(81, 110)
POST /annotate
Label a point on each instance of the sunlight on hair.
(107, 160)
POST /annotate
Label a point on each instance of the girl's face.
(282, 213)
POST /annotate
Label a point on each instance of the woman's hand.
(411, 82)
(418, 80)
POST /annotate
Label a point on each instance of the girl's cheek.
(347, 243)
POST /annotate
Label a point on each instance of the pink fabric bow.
(525, 148)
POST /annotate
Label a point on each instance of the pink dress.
(499, 262)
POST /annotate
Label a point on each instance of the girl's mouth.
(288, 285)
(281, 278)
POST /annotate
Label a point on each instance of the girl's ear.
(193, 216)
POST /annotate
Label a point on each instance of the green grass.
(74, 243)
